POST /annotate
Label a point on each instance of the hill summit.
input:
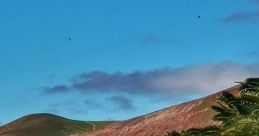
(48, 125)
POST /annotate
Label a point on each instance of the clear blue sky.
(117, 36)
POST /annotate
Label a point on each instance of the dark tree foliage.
(239, 115)
(173, 133)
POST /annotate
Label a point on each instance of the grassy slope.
(101, 124)
(47, 125)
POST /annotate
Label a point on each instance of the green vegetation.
(49, 125)
(239, 115)
(100, 124)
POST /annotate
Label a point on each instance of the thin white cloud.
(243, 16)
(199, 79)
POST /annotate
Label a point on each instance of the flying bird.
(69, 38)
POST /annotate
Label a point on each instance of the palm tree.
(174, 133)
(207, 131)
(239, 115)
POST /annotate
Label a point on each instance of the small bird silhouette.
(199, 16)
(69, 38)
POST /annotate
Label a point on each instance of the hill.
(48, 125)
(192, 114)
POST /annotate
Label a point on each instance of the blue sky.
(125, 57)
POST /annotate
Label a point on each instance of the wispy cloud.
(242, 16)
(204, 79)
(121, 103)
(154, 39)
(253, 54)
(254, 1)
(92, 104)
(56, 89)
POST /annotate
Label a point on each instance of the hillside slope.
(193, 114)
(48, 125)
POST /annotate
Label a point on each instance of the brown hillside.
(48, 125)
(192, 114)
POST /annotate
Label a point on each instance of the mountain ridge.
(192, 114)
(158, 123)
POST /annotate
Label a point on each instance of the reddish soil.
(193, 114)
